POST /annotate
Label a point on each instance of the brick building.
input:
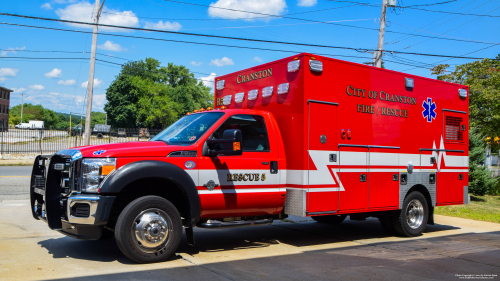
(4, 108)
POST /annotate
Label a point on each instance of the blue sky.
(60, 84)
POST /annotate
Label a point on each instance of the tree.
(155, 96)
(480, 181)
(483, 79)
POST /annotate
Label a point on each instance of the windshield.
(188, 129)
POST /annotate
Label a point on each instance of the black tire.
(402, 220)
(99, 136)
(331, 219)
(107, 234)
(136, 214)
(386, 222)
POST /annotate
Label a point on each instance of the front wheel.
(149, 230)
(411, 220)
(331, 219)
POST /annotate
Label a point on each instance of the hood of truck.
(126, 149)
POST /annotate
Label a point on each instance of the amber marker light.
(222, 107)
(195, 111)
(107, 169)
(202, 109)
(236, 146)
(189, 113)
(209, 108)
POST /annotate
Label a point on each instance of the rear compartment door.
(452, 165)
(323, 183)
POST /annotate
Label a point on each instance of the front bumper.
(78, 215)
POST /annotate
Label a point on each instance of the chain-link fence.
(47, 141)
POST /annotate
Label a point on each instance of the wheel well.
(149, 186)
(422, 189)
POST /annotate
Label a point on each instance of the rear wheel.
(331, 219)
(411, 220)
(149, 230)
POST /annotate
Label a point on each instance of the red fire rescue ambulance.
(307, 136)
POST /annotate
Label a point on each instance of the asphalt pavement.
(293, 249)
(14, 182)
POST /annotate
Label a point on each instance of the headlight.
(95, 170)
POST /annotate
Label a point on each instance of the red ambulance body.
(306, 136)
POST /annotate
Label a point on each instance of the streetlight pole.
(22, 104)
(90, 85)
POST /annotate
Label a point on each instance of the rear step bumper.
(230, 224)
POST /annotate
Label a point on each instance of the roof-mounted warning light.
(315, 65)
(222, 108)
(227, 100)
(201, 110)
(293, 66)
(220, 84)
(283, 88)
(239, 97)
(209, 108)
(267, 92)
(253, 94)
(462, 93)
(409, 83)
(195, 111)
(189, 113)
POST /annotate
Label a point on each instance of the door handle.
(274, 167)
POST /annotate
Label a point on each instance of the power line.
(413, 7)
(214, 36)
(232, 38)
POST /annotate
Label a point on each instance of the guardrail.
(46, 141)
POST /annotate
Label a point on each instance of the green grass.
(482, 208)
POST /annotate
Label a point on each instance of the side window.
(253, 131)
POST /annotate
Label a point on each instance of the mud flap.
(189, 236)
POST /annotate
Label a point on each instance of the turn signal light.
(107, 169)
(236, 146)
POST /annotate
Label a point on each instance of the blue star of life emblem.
(99, 152)
(429, 109)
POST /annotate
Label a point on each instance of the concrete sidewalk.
(296, 249)
(19, 162)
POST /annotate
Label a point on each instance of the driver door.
(246, 185)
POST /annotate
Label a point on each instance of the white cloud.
(8, 72)
(67, 82)
(221, 62)
(196, 63)
(64, 1)
(2, 79)
(54, 73)
(209, 80)
(97, 83)
(11, 51)
(36, 87)
(307, 3)
(257, 59)
(19, 90)
(110, 46)
(83, 12)
(273, 7)
(163, 25)
(46, 6)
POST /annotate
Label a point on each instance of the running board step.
(229, 224)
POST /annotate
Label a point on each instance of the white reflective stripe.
(243, 190)
(454, 171)
(193, 173)
(220, 177)
(319, 189)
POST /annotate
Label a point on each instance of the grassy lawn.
(482, 208)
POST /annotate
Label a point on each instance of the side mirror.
(231, 144)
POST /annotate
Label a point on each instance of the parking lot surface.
(295, 249)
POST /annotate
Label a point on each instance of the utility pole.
(22, 104)
(381, 33)
(90, 86)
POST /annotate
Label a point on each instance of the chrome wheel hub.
(415, 214)
(151, 230)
